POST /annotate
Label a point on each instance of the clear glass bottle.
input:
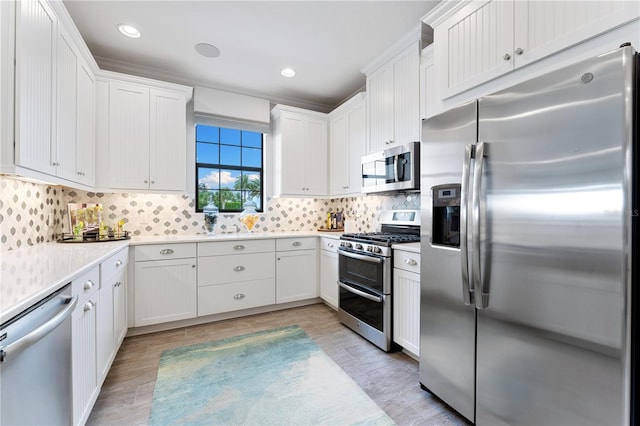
(249, 216)
(211, 213)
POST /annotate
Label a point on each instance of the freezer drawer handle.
(476, 276)
(360, 293)
(39, 332)
(467, 289)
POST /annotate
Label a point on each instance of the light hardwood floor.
(390, 379)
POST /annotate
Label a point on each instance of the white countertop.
(412, 247)
(29, 274)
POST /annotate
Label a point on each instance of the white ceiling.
(326, 42)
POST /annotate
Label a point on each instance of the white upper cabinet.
(347, 145)
(479, 40)
(55, 103)
(393, 103)
(36, 27)
(300, 151)
(7, 56)
(146, 146)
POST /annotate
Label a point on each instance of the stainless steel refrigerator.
(527, 246)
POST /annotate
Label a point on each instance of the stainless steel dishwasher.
(35, 363)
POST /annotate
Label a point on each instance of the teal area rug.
(273, 377)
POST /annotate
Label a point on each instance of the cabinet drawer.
(407, 261)
(329, 244)
(165, 251)
(230, 269)
(235, 247)
(286, 244)
(86, 285)
(114, 264)
(232, 297)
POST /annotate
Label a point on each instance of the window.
(228, 167)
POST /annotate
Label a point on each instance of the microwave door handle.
(467, 287)
(482, 299)
(396, 158)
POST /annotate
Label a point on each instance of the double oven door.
(365, 295)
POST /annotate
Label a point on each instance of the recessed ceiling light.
(208, 50)
(288, 72)
(128, 30)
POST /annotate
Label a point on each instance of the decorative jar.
(249, 216)
(211, 213)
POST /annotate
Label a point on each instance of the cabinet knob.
(239, 268)
(519, 51)
(88, 285)
(239, 296)
(89, 306)
(506, 57)
(238, 247)
(166, 251)
(153, 181)
(330, 245)
(345, 187)
(118, 263)
(193, 266)
(117, 284)
(146, 181)
(411, 262)
(296, 244)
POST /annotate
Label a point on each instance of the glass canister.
(211, 213)
(249, 216)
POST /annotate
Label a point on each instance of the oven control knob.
(359, 246)
(344, 244)
(369, 248)
(377, 250)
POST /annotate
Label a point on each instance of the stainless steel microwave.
(391, 170)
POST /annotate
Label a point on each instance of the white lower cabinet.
(84, 320)
(329, 271)
(235, 275)
(165, 286)
(406, 300)
(296, 269)
(112, 320)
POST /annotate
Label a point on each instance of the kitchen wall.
(34, 213)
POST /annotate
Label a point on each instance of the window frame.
(220, 166)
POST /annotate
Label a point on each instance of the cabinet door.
(545, 27)
(406, 96)
(128, 136)
(329, 277)
(315, 158)
(105, 336)
(357, 147)
(293, 129)
(35, 85)
(296, 276)
(380, 109)
(119, 309)
(165, 290)
(474, 45)
(83, 341)
(339, 155)
(64, 156)
(406, 310)
(86, 125)
(167, 151)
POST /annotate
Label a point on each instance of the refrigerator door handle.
(467, 289)
(482, 299)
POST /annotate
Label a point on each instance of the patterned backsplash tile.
(33, 213)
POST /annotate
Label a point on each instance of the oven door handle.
(361, 256)
(360, 293)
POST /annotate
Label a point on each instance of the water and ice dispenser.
(446, 215)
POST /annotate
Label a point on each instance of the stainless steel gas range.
(365, 275)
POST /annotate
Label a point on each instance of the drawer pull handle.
(238, 247)
(118, 263)
(411, 262)
(296, 244)
(239, 268)
(166, 251)
(88, 285)
(239, 296)
(89, 306)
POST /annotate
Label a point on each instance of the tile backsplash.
(34, 213)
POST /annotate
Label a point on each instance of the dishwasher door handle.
(37, 334)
